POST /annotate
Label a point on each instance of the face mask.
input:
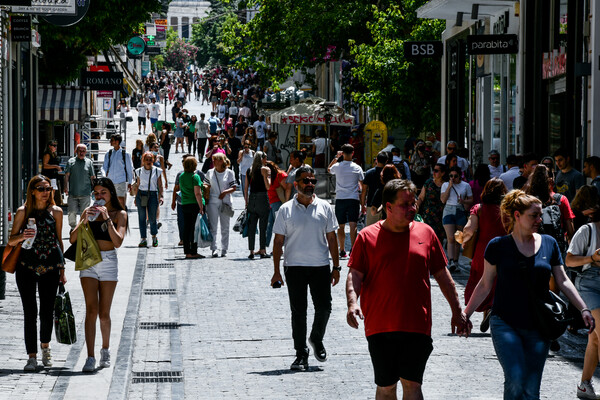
(155, 153)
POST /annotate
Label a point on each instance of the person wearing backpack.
(118, 167)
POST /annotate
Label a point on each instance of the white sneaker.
(46, 356)
(90, 365)
(585, 390)
(215, 253)
(104, 358)
(31, 365)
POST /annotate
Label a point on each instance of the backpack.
(124, 163)
(551, 223)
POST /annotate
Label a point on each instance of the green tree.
(208, 33)
(108, 22)
(179, 54)
(403, 92)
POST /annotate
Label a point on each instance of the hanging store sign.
(492, 44)
(61, 7)
(153, 50)
(22, 3)
(136, 45)
(431, 49)
(20, 28)
(554, 63)
(102, 80)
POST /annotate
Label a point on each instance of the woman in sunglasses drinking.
(41, 265)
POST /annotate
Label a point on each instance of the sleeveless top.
(100, 230)
(256, 185)
(45, 254)
(51, 173)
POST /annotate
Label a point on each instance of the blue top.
(511, 300)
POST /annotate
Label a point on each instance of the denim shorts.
(105, 270)
(588, 285)
(454, 215)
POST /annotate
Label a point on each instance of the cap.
(493, 153)
(428, 143)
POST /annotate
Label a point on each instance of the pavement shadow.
(287, 371)
(474, 335)
(14, 371)
(68, 372)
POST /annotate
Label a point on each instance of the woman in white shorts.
(108, 224)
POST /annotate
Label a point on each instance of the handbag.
(10, 258)
(225, 208)
(88, 251)
(64, 320)
(469, 245)
(549, 313)
(237, 227)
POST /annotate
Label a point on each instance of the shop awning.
(307, 113)
(61, 103)
(448, 9)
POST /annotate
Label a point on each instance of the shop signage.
(22, 3)
(315, 120)
(431, 49)
(153, 50)
(554, 63)
(20, 28)
(492, 44)
(68, 20)
(104, 93)
(102, 80)
(136, 45)
(65, 7)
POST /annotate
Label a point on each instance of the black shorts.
(142, 121)
(347, 210)
(398, 355)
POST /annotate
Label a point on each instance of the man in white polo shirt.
(306, 226)
(348, 182)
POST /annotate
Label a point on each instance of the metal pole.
(327, 153)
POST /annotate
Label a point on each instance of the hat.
(493, 153)
(428, 143)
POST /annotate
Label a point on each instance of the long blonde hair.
(515, 200)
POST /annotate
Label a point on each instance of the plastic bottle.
(29, 242)
(92, 217)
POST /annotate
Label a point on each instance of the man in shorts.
(118, 167)
(390, 266)
(153, 112)
(348, 183)
(143, 114)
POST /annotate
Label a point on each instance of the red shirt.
(273, 198)
(396, 290)
(224, 94)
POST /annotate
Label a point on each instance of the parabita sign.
(492, 44)
(102, 80)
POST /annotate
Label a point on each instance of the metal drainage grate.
(159, 291)
(157, 377)
(159, 325)
(164, 265)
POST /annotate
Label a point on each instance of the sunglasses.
(437, 170)
(312, 181)
(42, 189)
(454, 176)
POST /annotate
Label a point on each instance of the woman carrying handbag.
(40, 267)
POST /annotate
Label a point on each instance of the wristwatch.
(338, 268)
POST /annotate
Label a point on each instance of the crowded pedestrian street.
(214, 328)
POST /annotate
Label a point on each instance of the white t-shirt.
(305, 230)
(144, 175)
(260, 127)
(142, 109)
(579, 243)
(347, 175)
(509, 176)
(154, 110)
(233, 110)
(224, 180)
(320, 145)
(222, 111)
(463, 189)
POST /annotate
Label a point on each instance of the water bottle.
(92, 217)
(29, 242)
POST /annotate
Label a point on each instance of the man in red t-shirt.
(390, 266)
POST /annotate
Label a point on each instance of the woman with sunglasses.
(40, 267)
(258, 181)
(100, 281)
(51, 168)
(430, 205)
(457, 197)
(250, 136)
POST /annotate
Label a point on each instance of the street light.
(327, 110)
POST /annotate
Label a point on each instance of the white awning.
(61, 103)
(447, 9)
(307, 113)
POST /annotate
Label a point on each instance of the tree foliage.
(208, 33)
(179, 54)
(106, 23)
(403, 92)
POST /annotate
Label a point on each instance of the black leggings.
(191, 142)
(190, 213)
(47, 285)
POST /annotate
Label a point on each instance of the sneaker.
(300, 363)
(452, 266)
(90, 365)
(104, 358)
(154, 242)
(342, 254)
(319, 350)
(46, 356)
(485, 324)
(224, 253)
(143, 243)
(31, 365)
(215, 253)
(585, 390)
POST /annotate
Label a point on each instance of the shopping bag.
(64, 320)
(88, 252)
(241, 220)
(202, 234)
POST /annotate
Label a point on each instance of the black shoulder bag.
(549, 313)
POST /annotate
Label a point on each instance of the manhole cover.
(159, 291)
(157, 377)
(163, 265)
(159, 325)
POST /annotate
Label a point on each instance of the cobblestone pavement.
(215, 329)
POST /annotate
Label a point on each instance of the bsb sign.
(492, 44)
(433, 49)
(102, 80)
